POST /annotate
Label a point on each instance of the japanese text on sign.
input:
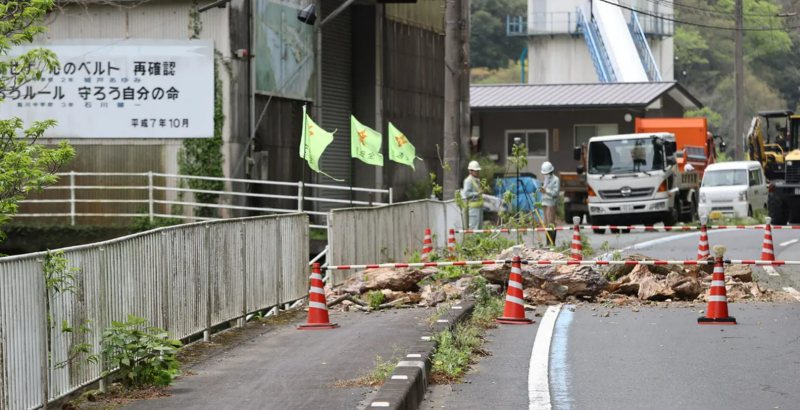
(120, 89)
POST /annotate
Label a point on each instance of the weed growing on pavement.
(144, 357)
(376, 376)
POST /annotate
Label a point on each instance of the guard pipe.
(558, 262)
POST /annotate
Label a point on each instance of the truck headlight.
(702, 197)
(742, 196)
(658, 206)
(596, 210)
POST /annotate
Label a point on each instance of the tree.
(489, 44)
(25, 166)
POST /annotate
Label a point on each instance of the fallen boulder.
(558, 280)
(652, 287)
(431, 297)
(685, 286)
(744, 273)
(404, 279)
(532, 275)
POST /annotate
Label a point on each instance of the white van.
(733, 189)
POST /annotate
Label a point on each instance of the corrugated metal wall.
(414, 97)
(337, 97)
(183, 279)
(387, 233)
(426, 14)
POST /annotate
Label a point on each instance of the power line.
(689, 7)
(662, 17)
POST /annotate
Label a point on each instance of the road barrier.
(184, 279)
(559, 262)
(625, 227)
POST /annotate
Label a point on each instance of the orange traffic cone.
(702, 249)
(317, 305)
(514, 312)
(767, 251)
(577, 249)
(427, 246)
(451, 244)
(717, 312)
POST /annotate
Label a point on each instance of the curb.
(406, 386)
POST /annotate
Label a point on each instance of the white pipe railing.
(151, 187)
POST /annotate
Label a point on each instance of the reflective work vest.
(476, 203)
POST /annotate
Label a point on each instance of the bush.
(143, 223)
(144, 357)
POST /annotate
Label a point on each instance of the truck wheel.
(777, 211)
(599, 231)
(672, 216)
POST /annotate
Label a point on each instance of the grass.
(376, 376)
(375, 298)
(318, 233)
(463, 346)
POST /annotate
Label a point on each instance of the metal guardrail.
(185, 279)
(548, 24)
(152, 187)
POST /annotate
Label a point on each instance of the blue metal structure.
(522, 59)
(642, 46)
(602, 64)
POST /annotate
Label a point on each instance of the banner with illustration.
(284, 50)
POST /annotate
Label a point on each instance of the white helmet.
(547, 168)
(474, 166)
(688, 168)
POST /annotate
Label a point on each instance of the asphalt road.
(656, 358)
(291, 369)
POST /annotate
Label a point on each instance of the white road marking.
(787, 243)
(538, 375)
(771, 271)
(795, 294)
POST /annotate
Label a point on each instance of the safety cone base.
(514, 321)
(719, 321)
(317, 326)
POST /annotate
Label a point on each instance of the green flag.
(365, 143)
(313, 142)
(400, 150)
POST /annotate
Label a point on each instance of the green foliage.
(318, 233)
(423, 189)
(145, 357)
(454, 349)
(26, 166)
(382, 370)
(713, 118)
(508, 75)
(489, 45)
(375, 299)
(203, 156)
(450, 272)
(705, 58)
(142, 223)
(59, 278)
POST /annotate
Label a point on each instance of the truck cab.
(633, 178)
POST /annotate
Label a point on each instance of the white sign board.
(120, 89)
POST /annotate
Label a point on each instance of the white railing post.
(72, 198)
(390, 196)
(150, 194)
(300, 196)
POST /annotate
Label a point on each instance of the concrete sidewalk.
(290, 369)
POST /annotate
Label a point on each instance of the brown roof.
(597, 95)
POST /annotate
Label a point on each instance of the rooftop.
(571, 96)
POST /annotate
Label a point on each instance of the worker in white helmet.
(474, 195)
(549, 190)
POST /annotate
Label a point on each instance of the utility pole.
(739, 79)
(452, 107)
(466, 117)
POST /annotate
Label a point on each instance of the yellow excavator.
(780, 158)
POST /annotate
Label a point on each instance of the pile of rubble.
(546, 284)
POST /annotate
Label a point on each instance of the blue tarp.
(527, 196)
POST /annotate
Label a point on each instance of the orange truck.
(696, 146)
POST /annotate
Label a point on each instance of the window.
(534, 140)
(725, 177)
(584, 132)
(755, 177)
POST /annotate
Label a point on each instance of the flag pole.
(351, 159)
(303, 163)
